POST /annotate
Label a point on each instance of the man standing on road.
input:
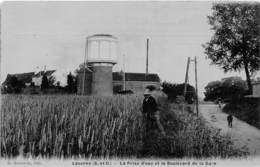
(229, 119)
(219, 101)
(151, 121)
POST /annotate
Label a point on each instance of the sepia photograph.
(128, 83)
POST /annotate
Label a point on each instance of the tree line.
(13, 85)
(227, 89)
(175, 91)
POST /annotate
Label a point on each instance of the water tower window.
(104, 50)
(94, 50)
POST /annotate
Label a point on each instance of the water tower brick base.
(102, 80)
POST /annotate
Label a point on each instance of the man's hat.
(147, 92)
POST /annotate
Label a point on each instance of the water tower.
(101, 56)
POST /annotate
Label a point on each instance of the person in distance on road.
(219, 102)
(230, 120)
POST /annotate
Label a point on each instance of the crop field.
(65, 126)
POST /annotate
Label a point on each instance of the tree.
(213, 91)
(75, 83)
(12, 85)
(236, 40)
(231, 88)
(174, 90)
(71, 83)
(45, 82)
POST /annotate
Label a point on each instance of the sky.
(53, 34)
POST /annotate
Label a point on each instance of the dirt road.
(243, 135)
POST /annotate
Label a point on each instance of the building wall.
(37, 81)
(87, 83)
(102, 80)
(102, 83)
(137, 86)
(256, 89)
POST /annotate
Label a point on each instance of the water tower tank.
(101, 56)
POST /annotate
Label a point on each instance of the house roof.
(48, 73)
(27, 77)
(103, 35)
(118, 76)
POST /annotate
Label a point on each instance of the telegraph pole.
(196, 82)
(147, 54)
(186, 77)
(124, 85)
(84, 72)
(196, 87)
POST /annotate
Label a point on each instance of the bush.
(232, 88)
(244, 109)
(174, 90)
(45, 83)
(12, 85)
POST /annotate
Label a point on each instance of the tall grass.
(70, 125)
(193, 138)
(66, 126)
